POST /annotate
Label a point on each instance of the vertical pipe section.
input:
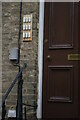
(25, 113)
(20, 82)
(3, 111)
(19, 44)
(19, 100)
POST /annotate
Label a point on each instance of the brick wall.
(29, 55)
(0, 57)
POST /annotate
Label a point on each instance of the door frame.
(40, 58)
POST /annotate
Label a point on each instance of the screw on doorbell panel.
(26, 35)
(23, 35)
(27, 19)
(23, 27)
(24, 19)
(29, 35)
(29, 27)
(26, 27)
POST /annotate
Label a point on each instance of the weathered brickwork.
(0, 57)
(28, 52)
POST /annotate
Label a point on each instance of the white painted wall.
(40, 59)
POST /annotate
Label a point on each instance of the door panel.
(60, 84)
(60, 75)
(60, 17)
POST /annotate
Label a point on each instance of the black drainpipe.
(19, 44)
(19, 112)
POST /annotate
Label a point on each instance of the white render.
(40, 60)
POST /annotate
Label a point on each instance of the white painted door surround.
(40, 59)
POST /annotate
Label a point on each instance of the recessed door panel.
(60, 84)
(61, 23)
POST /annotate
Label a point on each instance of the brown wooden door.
(60, 72)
